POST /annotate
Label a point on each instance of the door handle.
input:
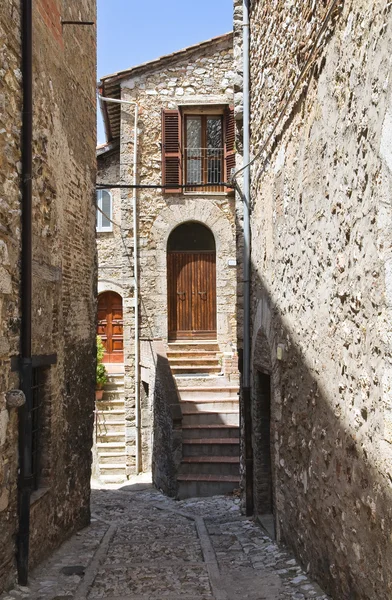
(203, 295)
(182, 295)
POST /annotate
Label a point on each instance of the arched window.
(104, 211)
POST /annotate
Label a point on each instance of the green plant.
(100, 349)
(102, 374)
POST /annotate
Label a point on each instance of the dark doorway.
(191, 273)
(263, 490)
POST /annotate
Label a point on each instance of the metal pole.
(25, 422)
(246, 395)
(136, 294)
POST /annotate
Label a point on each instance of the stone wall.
(64, 268)
(202, 75)
(321, 285)
(10, 157)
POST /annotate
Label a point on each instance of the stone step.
(115, 413)
(196, 486)
(210, 465)
(110, 436)
(113, 478)
(111, 457)
(190, 392)
(114, 467)
(204, 345)
(113, 405)
(202, 417)
(194, 361)
(213, 431)
(201, 380)
(112, 446)
(192, 369)
(188, 354)
(210, 447)
(110, 426)
(112, 393)
(206, 405)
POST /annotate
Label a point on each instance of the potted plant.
(102, 375)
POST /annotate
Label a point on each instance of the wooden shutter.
(171, 150)
(229, 144)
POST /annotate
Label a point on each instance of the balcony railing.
(204, 165)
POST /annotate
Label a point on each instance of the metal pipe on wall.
(25, 420)
(246, 371)
(135, 276)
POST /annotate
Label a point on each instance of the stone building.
(63, 278)
(186, 272)
(321, 284)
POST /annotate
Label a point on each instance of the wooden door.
(110, 326)
(191, 295)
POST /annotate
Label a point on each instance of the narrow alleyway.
(144, 546)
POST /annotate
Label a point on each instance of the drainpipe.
(25, 422)
(136, 278)
(246, 395)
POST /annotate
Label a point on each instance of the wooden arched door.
(110, 326)
(191, 272)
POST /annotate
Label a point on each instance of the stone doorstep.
(226, 389)
(211, 441)
(211, 459)
(212, 478)
(211, 430)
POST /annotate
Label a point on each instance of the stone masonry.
(199, 75)
(63, 321)
(321, 285)
(144, 546)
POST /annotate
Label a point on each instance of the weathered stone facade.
(64, 268)
(197, 76)
(321, 287)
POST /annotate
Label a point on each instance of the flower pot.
(98, 394)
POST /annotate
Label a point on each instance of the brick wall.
(64, 267)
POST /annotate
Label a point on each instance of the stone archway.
(191, 282)
(153, 262)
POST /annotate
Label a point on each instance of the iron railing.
(204, 165)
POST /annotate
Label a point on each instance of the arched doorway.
(110, 326)
(191, 273)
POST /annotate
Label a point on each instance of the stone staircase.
(110, 432)
(210, 424)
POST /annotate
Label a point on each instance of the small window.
(104, 211)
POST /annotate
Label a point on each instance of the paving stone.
(142, 545)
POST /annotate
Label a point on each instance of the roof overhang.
(110, 85)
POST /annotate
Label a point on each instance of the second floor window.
(104, 210)
(198, 150)
(204, 152)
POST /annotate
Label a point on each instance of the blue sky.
(132, 31)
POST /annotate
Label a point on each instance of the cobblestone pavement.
(144, 546)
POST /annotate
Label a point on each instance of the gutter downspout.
(25, 420)
(246, 375)
(135, 276)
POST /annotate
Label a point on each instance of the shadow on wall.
(167, 424)
(332, 502)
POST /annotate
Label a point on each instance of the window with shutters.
(197, 150)
(104, 211)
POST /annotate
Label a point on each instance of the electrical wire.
(291, 95)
